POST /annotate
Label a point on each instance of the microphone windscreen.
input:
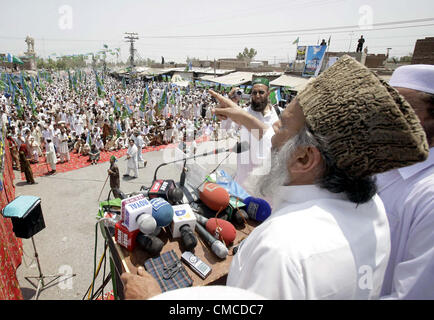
(214, 196)
(162, 212)
(257, 209)
(175, 195)
(147, 223)
(150, 244)
(225, 229)
(188, 238)
(238, 217)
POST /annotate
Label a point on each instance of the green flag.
(38, 95)
(163, 100)
(172, 97)
(275, 96)
(99, 86)
(2, 85)
(145, 100)
(18, 106)
(14, 86)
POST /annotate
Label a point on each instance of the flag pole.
(295, 59)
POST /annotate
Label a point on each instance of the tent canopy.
(232, 79)
(293, 82)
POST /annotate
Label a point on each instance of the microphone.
(257, 209)
(182, 178)
(214, 196)
(241, 147)
(150, 244)
(238, 217)
(162, 212)
(182, 225)
(146, 223)
(201, 219)
(188, 238)
(218, 228)
(216, 246)
(238, 148)
(175, 195)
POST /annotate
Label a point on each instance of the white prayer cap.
(418, 77)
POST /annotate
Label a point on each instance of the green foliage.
(62, 63)
(247, 54)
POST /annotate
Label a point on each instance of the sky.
(205, 29)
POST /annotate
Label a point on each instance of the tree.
(247, 54)
(406, 58)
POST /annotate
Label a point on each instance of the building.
(423, 51)
(232, 64)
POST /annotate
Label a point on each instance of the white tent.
(293, 82)
(176, 79)
(232, 79)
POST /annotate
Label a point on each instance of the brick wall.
(424, 51)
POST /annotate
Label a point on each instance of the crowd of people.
(77, 120)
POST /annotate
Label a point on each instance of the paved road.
(69, 205)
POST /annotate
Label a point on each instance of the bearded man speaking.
(328, 235)
(259, 150)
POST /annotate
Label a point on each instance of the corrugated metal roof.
(234, 79)
(293, 82)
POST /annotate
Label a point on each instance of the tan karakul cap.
(369, 127)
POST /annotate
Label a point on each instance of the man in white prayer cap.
(408, 196)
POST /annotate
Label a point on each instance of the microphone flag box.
(161, 188)
(124, 237)
(183, 214)
(131, 208)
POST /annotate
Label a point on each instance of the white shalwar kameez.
(132, 161)
(315, 245)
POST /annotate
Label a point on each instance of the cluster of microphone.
(181, 210)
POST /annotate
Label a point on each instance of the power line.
(301, 32)
(289, 31)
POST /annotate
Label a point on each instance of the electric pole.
(131, 37)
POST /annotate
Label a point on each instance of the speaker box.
(26, 215)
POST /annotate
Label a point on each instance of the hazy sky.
(212, 29)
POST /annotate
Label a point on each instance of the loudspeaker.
(26, 215)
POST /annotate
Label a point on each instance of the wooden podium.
(125, 261)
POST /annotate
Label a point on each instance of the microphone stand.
(188, 158)
(215, 169)
(41, 283)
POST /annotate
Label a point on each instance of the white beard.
(278, 175)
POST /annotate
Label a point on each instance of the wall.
(375, 60)
(424, 51)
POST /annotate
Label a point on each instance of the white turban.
(418, 77)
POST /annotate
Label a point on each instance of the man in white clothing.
(408, 196)
(259, 150)
(327, 236)
(139, 142)
(132, 160)
(51, 156)
(63, 146)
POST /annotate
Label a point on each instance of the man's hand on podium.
(141, 286)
